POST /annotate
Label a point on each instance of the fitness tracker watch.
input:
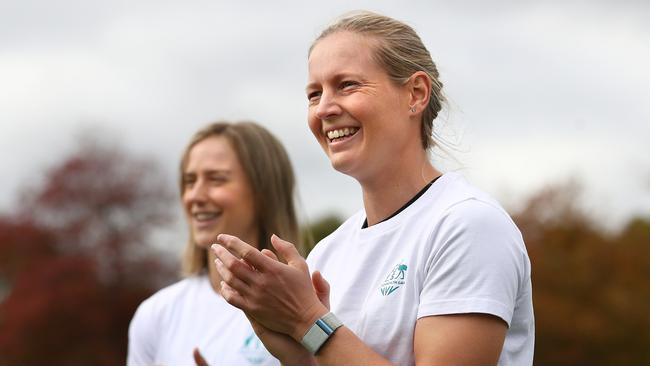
(320, 332)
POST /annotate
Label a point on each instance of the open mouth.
(202, 218)
(341, 134)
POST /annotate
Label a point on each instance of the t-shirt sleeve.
(476, 264)
(142, 336)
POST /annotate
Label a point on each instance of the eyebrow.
(336, 77)
(310, 86)
(210, 172)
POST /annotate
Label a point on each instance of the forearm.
(307, 361)
(345, 348)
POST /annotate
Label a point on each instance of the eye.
(347, 84)
(188, 180)
(313, 96)
(217, 179)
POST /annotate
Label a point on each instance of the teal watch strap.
(320, 332)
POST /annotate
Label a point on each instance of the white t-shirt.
(454, 250)
(170, 324)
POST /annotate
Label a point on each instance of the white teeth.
(347, 131)
(204, 216)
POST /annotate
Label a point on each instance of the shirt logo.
(253, 350)
(394, 280)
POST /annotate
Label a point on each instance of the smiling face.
(217, 197)
(357, 113)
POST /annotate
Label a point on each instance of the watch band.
(320, 332)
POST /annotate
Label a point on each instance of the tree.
(318, 230)
(75, 260)
(590, 288)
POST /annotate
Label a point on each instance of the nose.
(327, 107)
(196, 194)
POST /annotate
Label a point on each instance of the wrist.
(312, 315)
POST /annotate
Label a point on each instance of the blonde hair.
(400, 52)
(268, 169)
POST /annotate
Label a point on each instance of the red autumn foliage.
(75, 263)
(75, 260)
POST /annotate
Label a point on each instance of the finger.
(322, 288)
(230, 278)
(236, 268)
(244, 251)
(289, 252)
(198, 358)
(233, 297)
(270, 254)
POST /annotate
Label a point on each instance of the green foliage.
(318, 230)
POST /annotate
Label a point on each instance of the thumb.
(322, 288)
(288, 251)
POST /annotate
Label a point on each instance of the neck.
(385, 192)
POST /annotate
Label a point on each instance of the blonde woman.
(235, 178)
(431, 272)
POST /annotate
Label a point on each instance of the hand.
(280, 297)
(321, 286)
(198, 358)
(281, 345)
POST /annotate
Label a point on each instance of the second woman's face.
(217, 197)
(357, 113)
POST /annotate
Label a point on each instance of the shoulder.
(478, 231)
(457, 203)
(477, 214)
(472, 211)
(145, 327)
(477, 250)
(469, 227)
(169, 296)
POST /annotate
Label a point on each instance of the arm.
(281, 298)
(463, 339)
(141, 347)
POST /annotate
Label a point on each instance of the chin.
(343, 165)
(204, 241)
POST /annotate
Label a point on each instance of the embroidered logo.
(253, 350)
(394, 280)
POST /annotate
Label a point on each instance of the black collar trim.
(410, 202)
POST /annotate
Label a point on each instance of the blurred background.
(548, 112)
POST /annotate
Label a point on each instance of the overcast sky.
(539, 92)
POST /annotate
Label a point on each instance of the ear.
(419, 88)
